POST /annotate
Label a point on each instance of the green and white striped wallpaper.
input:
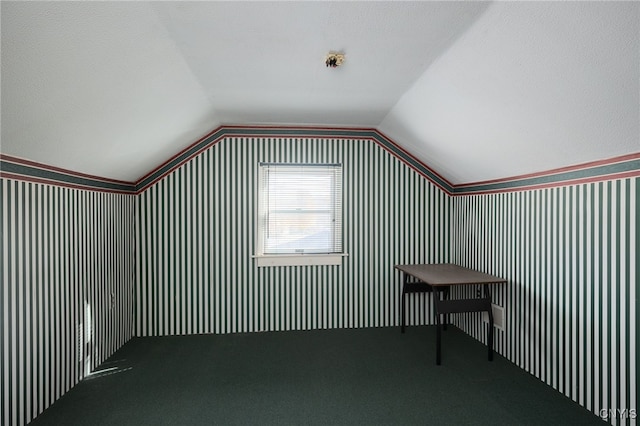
(571, 307)
(196, 239)
(67, 268)
(85, 265)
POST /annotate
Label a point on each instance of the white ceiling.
(528, 87)
(475, 90)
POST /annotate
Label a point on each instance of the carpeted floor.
(374, 376)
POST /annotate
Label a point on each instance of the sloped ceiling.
(475, 90)
(528, 87)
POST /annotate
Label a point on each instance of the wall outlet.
(498, 317)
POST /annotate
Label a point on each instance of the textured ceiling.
(475, 90)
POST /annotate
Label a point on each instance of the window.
(300, 214)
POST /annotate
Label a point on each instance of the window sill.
(298, 259)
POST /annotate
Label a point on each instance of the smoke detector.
(334, 59)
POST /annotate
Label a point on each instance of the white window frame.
(292, 259)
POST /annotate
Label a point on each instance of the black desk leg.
(438, 327)
(436, 293)
(446, 316)
(403, 302)
(487, 294)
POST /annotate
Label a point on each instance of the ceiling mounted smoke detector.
(334, 59)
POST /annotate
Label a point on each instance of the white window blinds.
(300, 208)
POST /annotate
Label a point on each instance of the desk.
(438, 278)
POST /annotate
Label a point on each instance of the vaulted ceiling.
(476, 90)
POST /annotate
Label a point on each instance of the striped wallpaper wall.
(571, 255)
(87, 260)
(196, 239)
(67, 269)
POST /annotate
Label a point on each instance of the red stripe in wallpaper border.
(25, 162)
(581, 166)
(592, 179)
(23, 178)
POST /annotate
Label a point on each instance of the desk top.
(446, 274)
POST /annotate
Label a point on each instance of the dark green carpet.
(362, 376)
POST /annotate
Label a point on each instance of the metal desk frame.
(437, 279)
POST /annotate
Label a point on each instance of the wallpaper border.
(620, 167)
